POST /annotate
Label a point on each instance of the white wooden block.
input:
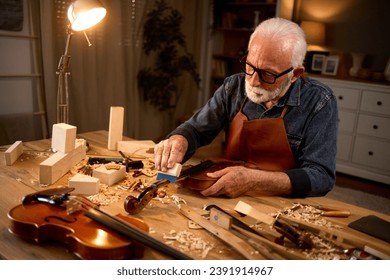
(245, 208)
(64, 136)
(84, 184)
(171, 174)
(58, 164)
(115, 131)
(175, 170)
(13, 152)
(109, 176)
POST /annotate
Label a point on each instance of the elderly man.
(277, 120)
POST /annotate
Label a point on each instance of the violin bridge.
(73, 206)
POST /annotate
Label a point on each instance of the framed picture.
(314, 61)
(330, 65)
(317, 62)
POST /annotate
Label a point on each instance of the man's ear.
(299, 71)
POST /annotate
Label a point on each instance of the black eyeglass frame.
(259, 72)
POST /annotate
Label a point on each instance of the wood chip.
(188, 242)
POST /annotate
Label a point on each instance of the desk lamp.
(315, 32)
(82, 14)
(315, 37)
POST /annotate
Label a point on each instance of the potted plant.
(164, 41)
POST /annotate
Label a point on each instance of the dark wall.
(354, 26)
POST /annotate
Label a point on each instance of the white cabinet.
(363, 146)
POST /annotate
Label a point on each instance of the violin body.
(83, 236)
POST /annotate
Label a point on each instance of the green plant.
(162, 37)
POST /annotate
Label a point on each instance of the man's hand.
(238, 180)
(170, 151)
(233, 182)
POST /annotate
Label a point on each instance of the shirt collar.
(293, 95)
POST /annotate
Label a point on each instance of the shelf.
(234, 23)
(251, 4)
(349, 79)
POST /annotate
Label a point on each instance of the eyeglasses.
(264, 75)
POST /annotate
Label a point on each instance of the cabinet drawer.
(372, 153)
(344, 146)
(346, 97)
(374, 126)
(376, 102)
(346, 121)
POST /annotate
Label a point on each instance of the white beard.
(259, 95)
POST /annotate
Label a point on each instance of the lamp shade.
(315, 32)
(84, 14)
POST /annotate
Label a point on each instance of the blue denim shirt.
(311, 124)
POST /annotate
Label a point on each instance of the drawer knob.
(379, 103)
(370, 153)
(375, 126)
(341, 97)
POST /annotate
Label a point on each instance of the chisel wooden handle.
(336, 214)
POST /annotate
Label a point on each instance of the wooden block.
(109, 176)
(58, 164)
(84, 184)
(13, 152)
(64, 136)
(171, 174)
(175, 170)
(248, 210)
(115, 131)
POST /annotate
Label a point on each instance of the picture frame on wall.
(330, 65)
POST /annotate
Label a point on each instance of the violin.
(87, 231)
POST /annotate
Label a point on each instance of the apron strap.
(284, 111)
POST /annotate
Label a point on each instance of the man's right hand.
(170, 151)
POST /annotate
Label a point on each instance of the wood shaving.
(323, 248)
(178, 200)
(149, 172)
(188, 242)
(307, 214)
(106, 195)
(170, 199)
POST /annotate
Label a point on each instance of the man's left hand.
(233, 181)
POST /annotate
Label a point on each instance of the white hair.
(288, 33)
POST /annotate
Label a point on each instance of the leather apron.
(262, 142)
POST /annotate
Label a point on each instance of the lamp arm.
(63, 89)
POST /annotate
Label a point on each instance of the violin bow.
(93, 212)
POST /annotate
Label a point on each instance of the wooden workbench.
(162, 215)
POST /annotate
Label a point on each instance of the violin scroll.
(134, 205)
